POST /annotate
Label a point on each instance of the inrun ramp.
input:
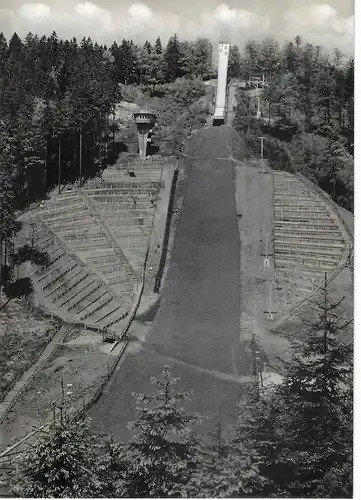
(220, 109)
(197, 327)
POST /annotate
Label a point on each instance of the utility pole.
(270, 312)
(270, 302)
(348, 262)
(258, 108)
(262, 139)
(266, 261)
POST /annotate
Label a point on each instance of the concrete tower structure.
(219, 113)
(145, 121)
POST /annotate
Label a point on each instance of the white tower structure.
(219, 112)
(145, 120)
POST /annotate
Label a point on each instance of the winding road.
(196, 330)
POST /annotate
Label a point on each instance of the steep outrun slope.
(196, 329)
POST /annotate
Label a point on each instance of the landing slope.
(196, 329)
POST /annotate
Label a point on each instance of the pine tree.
(282, 95)
(270, 57)
(172, 58)
(234, 62)
(252, 58)
(7, 194)
(202, 55)
(3, 52)
(164, 450)
(15, 46)
(158, 46)
(302, 430)
(63, 461)
(290, 58)
(18, 288)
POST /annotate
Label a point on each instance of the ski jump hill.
(97, 239)
(196, 329)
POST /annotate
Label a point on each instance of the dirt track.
(197, 327)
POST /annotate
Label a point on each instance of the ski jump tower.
(219, 113)
(145, 121)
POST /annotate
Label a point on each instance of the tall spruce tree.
(164, 451)
(63, 462)
(234, 62)
(172, 58)
(301, 431)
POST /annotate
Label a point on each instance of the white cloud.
(321, 24)
(35, 11)
(235, 25)
(140, 11)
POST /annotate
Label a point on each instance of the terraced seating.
(96, 238)
(85, 234)
(67, 295)
(70, 289)
(89, 299)
(309, 239)
(127, 207)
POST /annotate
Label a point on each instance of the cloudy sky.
(329, 24)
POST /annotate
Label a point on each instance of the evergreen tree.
(3, 52)
(164, 451)
(202, 54)
(172, 58)
(158, 46)
(15, 47)
(290, 58)
(234, 62)
(18, 288)
(270, 57)
(252, 58)
(64, 460)
(282, 95)
(301, 431)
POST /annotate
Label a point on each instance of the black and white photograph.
(177, 249)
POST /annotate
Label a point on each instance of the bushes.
(326, 162)
(275, 151)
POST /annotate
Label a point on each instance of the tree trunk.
(1, 260)
(80, 153)
(27, 182)
(45, 165)
(13, 243)
(59, 163)
(5, 304)
(74, 157)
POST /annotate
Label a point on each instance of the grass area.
(23, 336)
